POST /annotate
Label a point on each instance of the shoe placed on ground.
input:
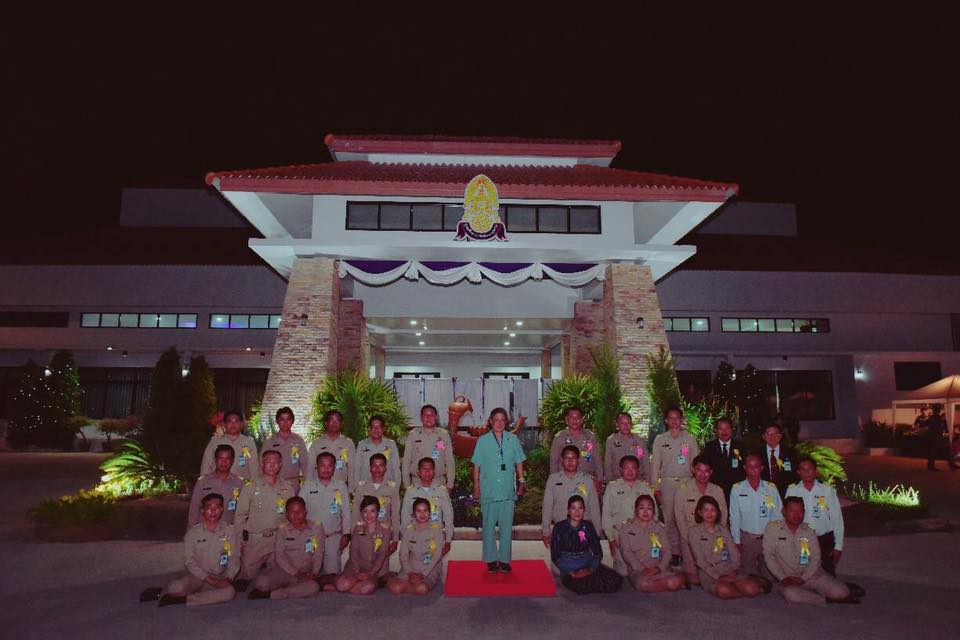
(167, 599)
(493, 567)
(150, 594)
(856, 590)
(848, 600)
(256, 594)
(241, 585)
(505, 567)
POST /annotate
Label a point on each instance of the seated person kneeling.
(368, 563)
(298, 557)
(646, 550)
(716, 556)
(576, 552)
(421, 553)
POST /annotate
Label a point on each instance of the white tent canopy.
(945, 391)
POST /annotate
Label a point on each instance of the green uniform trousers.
(497, 514)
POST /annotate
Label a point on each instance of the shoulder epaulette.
(392, 483)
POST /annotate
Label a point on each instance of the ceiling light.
(248, 349)
(506, 343)
(513, 335)
(519, 323)
(504, 327)
(109, 348)
(413, 322)
(418, 334)
(422, 343)
(124, 354)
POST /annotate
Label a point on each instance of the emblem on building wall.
(481, 212)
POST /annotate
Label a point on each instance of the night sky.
(849, 111)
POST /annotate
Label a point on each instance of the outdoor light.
(504, 327)
(519, 323)
(303, 319)
(109, 348)
(413, 322)
(858, 373)
(640, 323)
(419, 333)
(184, 372)
(124, 354)
(248, 349)
(47, 372)
(506, 343)
(513, 335)
(422, 343)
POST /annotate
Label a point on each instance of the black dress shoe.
(241, 585)
(167, 599)
(256, 594)
(848, 600)
(505, 567)
(493, 567)
(150, 594)
(856, 590)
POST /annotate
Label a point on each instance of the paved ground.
(89, 591)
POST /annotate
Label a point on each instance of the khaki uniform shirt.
(297, 550)
(422, 443)
(210, 483)
(365, 450)
(212, 553)
(590, 461)
(388, 493)
(246, 462)
(261, 507)
(328, 504)
(558, 491)
(685, 504)
(293, 454)
(637, 541)
(369, 553)
(422, 549)
(343, 450)
(618, 446)
(672, 457)
(619, 500)
(708, 551)
(788, 553)
(441, 508)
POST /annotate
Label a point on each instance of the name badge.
(427, 558)
(787, 466)
(816, 510)
(725, 554)
(681, 459)
(734, 463)
(231, 505)
(655, 552)
(334, 508)
(435, 516)
(339, 464)
(382, 514)
(763, 511)
(224, 559)
(435, 454)
(242, 461)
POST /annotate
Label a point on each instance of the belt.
(755, 536)
(262, 534)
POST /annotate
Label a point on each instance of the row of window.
(34, 318)
(435, 216)
(178, 320)
(750, 325)
(804, 395)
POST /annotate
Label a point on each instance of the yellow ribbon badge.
(382, 500)
(344, 455)
(227, 547)
(736, 452)
(655, 541)
(386, 453)
(768, 501)
(314, 542)
(718, 545)
(281, 505)
(582, 489)
(245, 452)
(432, 547)
(236, 493)
(822, 501)
(295, 451)
(433, 505)
(780, 464)
(338, 497)
(377, 543)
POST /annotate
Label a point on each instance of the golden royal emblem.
(481, 212)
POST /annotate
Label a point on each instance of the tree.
(160, 437)
(27, 417)
(725, 383)
(64, 398)
(662, 388)
(200, 397)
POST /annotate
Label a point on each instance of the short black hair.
(377, 456)
(210, 496)
(794, 500)
(625, 413)
(428, 407)
(702, 501)
(646, 497)
(368, 501)
(774, 425)
(422, 461)
(296, 500)
(570, 447)
(264, 455)
(574, 499)
(375, 418)
(224, 447)
(287, 410)
(330, 414)
(417, 501)
(809, 459)
(573, 408)
(232, 412)
(702, 459)
(672, 407)
(629, 458)
(326, 454)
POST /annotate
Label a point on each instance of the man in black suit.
(779, 460)
(726, 456)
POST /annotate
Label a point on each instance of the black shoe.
(674, 561)
(256, 594)
(150, 594)
(505, 567)
(168, 599)
(493, 567)
(848, 600)
(241, 585)
(856, 591)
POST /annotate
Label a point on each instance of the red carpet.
(529, 578)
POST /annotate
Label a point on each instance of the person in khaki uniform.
(328, 502)
(333, 441)
(441, 508)
(685, 506)
(260, 510)
(586, 443)
(670, 462)
(429, 441)
(222, 482)
(645, 548)
(298, 555)
(619, 500)
(715, 554)
(753, 503)
(563, 484)
(369, 560)
(621, 443)
(212, 559)
(246, 463)
(792, 555)
(292, 448)
(385, 491)
(421, 554)
(376, 443)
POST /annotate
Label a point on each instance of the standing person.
(646, 551)
(212, 559)
(298, 552)
(937, 444)
(334, 442)
(246, 463)
(716, 556)
(725, 454)
(292, 448)
(792, 554)
(754, 503)
(328, 502)
(821, 511)
(369, 560)
(436, 494)
(685, 507)
(385, 491)
(563, 484)
(575, 550)
(419, 562)
(779, 460)
(373, 444)
(221, 482)
(429, 441)
(497, 483)
(586, 443)
(260, 510)
(621, 443)
(619, 500)
(671, 455)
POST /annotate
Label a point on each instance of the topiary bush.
(358, 397)
(131, 471)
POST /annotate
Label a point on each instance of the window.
(435, 216)
(913, 375)
(34, 318)
(684, 324)
(244, 321)
(775, 325)
(806, 395)
(694, 385)
(503, 375)
(416, 374)
(138, 320)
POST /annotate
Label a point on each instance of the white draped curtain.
(474, 272)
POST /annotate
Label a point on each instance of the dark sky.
(848, 109)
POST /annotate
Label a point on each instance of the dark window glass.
(427, 217)
(521, 219)
(694, 385)
(806, 395)
(584, 220)
(552, 219)
(913, 375)
(452, 214)
(362, 215)
(416, 374)
(260, 322)
(395, 217)
(496, 375)
(34, 319)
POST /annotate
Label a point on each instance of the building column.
(379, 363)
(305, 350)
(546, 363)
(350, 337)
(588, 333)
(565, 369)
(634, 330)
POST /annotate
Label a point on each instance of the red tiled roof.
(581, 182)
(465, 145)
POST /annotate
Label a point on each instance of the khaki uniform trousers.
(281, 584)
(199, 592)
(751, 556)
(257, 551)
(668, 495)
(331, 554)
(814, 591)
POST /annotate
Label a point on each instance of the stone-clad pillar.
(352, 335)
(305, 351)
(588, 331)
(546, 363)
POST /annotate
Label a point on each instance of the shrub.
(610, 400)
(829, 463)
(536, 468)
(574, 391)
(358, 397)
(895, 496)
(701, 416)
(530, 507)
(259, 428)
(84, 507)
(44, 402)
(132, 471)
